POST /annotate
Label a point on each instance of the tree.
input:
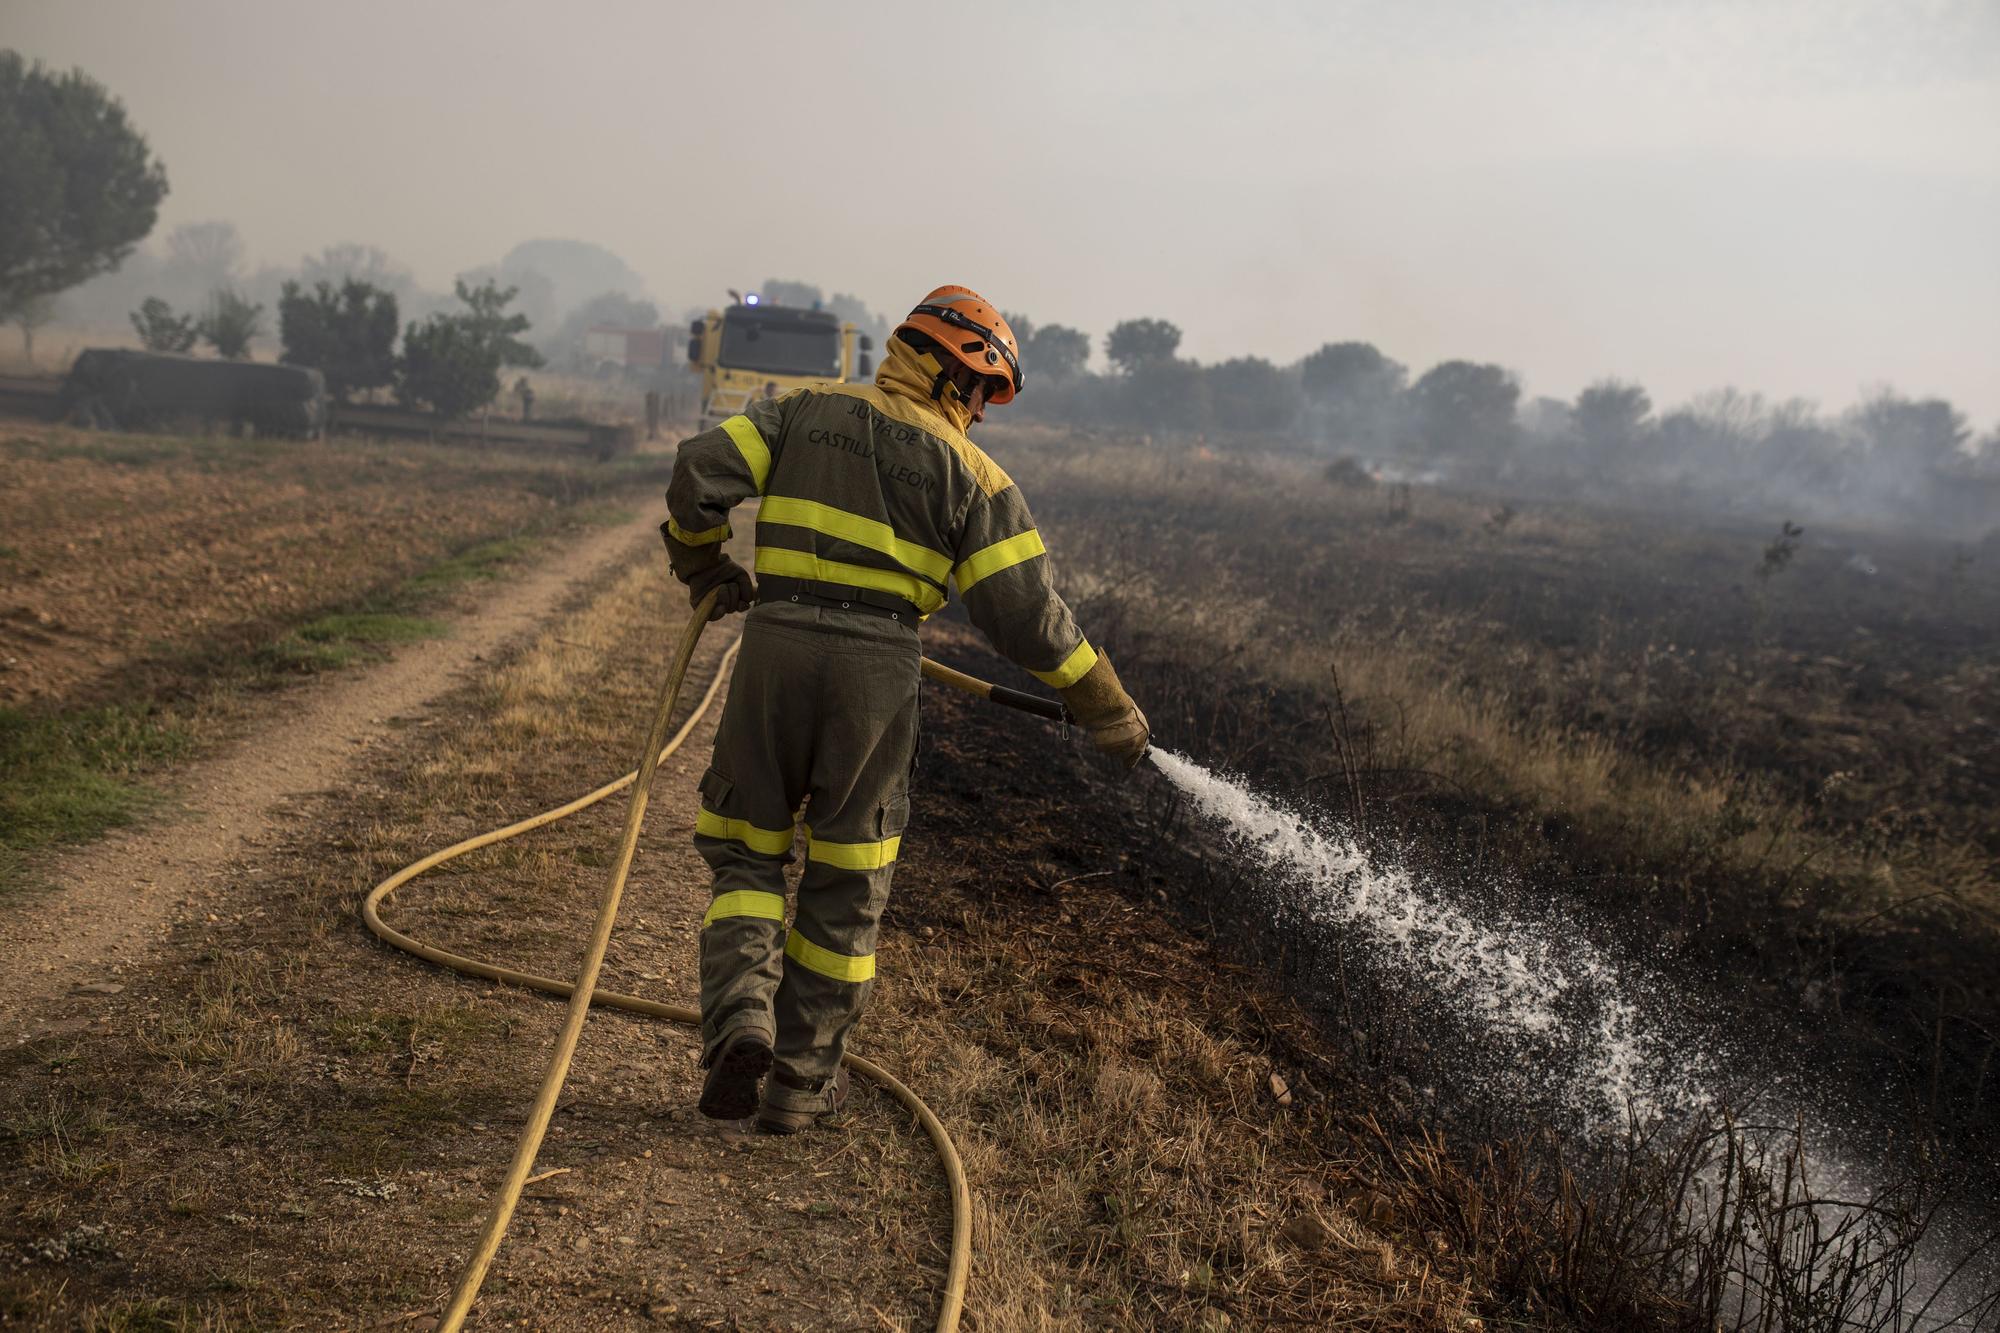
(349, 335)
(1249, 393)
(1916, 433)
(1722, 430)
(205, 254)
(534, 293)
(1465, 407)
(337, 264)
(30, 315)
(1169, 394)
(494, 327)
(1054, 351)
(1550, 420)
(1350, 370)
(451, 363)
(1356, 393)
(1135, 343)
(160, 330)
(231, 324)
(1611, 416)
(1801, 454)
(445, 368)
(81, 187)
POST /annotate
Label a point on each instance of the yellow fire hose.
(583, 992)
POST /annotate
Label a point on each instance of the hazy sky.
(1798, 198)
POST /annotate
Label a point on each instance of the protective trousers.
(822, 715)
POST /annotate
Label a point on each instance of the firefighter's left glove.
(1101, 707)
(704, 569)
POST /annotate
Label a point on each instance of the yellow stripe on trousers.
(745, 902)
(771, 842)
(838, 966)
(853, 855)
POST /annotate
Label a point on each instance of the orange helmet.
(961, 322)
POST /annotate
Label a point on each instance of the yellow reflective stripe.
(1073, 669)
(804, 565)
(771, 842)
(853, 855)
(746, 902)
(839, 966)
(854, 528)
(998, 556)
(751, 445)
(708, 538)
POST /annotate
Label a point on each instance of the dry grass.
(1133, 1167)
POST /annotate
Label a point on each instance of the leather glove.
(704, 568)
(738, 592)
(1101, 707)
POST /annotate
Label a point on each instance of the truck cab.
(752, 349)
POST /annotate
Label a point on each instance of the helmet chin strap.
(941, 383)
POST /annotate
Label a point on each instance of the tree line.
(1350, 401)
(450, 362)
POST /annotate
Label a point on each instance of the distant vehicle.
(753, 349)
(120, 389)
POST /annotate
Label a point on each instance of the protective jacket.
(877, 487)
(874, 503)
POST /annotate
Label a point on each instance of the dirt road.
(116, 898)
(341, 1192)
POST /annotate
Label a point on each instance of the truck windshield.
(777, 343)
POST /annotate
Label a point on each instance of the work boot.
(735, 1069)
(791, 1105)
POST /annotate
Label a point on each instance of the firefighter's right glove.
(1101, 707)
(737, 594)
(705, 568)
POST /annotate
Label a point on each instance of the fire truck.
(755, 349)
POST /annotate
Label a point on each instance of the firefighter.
(874, 503)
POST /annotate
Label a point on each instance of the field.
(1770, 769)
(1768, 776)
(149, 581)
(1782, 760)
